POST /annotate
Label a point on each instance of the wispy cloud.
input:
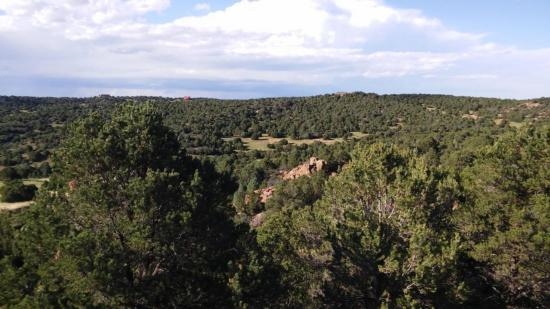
(202, 7)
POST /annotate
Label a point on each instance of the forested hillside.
(357, 201)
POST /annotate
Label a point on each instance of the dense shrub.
(16, 191)
(8, 173)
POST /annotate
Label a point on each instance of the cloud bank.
(251, 49)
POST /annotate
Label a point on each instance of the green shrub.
(16, 191)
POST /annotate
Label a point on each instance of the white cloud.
(54, 14)
(398, 64)
(304, 42)
(475, 76)
(6, 22)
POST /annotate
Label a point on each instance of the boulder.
(257, 220)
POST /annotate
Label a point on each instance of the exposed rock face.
(265, 194)
(307, 169)
(257, 220)
(310, 167)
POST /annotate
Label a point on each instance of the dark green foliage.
(128, 220)
(9, 173)
(389, 215)
(201, 123)
(506, 220)
(379, 235)
(298, 193)
(456, 216)
(16, 191)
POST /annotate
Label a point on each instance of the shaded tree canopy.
(126, 220)
(506, 221)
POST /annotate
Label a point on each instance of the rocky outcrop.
(257, 220)
(265, 194)
(310, 167)
(313, 165)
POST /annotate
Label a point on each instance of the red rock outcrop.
(307, 169)
(265, 194)
(310, 167)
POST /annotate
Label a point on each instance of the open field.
(12, 206)
(517, 125)
(262, 142)
(35, 181)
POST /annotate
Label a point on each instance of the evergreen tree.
(506, 221)
(126, 220)
(388, 216)
(381, 235)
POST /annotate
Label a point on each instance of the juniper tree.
(127, 219)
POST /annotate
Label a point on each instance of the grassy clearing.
(262, 142)
(32, 181)
(516, 125)
(35, 181)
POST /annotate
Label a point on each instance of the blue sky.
(516, 22)
(178, 9)
(266, 48)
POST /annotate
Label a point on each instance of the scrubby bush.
(16, 191)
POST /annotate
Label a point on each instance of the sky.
(268, 48)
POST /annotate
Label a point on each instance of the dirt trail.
(14, 206)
